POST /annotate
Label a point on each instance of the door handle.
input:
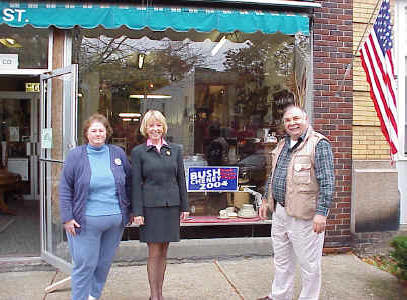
(28, 149)
(31, 149)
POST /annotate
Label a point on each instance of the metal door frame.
(69, 141)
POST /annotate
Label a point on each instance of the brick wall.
(368, 140)
(333, 42)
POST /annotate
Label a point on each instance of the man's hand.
(319, 223)
(264, 207)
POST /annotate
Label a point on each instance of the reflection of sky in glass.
(145, 45)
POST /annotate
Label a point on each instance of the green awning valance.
(65, 16)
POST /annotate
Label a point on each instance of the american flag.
(378, 64)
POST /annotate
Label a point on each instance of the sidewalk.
(344, 277)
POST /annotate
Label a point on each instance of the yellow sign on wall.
(32, 87)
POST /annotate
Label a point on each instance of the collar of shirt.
(299, 141)
(158, 147)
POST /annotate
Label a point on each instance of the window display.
(223, 95)
(23, 49)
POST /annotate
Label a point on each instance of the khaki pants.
(295, 241)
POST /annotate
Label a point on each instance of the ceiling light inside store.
(218, 46)
(10, 43)
(150, 96)
(129, 115)
(130, 119)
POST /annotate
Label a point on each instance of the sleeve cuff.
(322, 211)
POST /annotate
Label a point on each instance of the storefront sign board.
(8, 61)
(212, 179)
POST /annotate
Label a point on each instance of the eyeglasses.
(296, 119)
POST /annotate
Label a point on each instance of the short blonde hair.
(152, 115)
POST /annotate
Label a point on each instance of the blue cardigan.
(75, 181)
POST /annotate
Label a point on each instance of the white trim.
(400, 63)
(402, 175)
(68, 48)
(50, 48)
(400, 48)
(269, 2)
(23, 71)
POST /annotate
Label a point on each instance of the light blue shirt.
(102, 199)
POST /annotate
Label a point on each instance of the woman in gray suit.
(159, 195)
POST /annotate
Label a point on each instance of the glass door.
(58, 136)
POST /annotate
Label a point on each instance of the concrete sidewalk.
(344, 277)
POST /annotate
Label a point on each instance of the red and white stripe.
(380, 75)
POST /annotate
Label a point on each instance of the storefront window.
(23, 48)
(222, 94)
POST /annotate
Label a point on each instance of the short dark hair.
(97, 118)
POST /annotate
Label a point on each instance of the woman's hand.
(70, 227)
(184, 215)
(138, 220)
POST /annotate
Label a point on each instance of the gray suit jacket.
(158, 178)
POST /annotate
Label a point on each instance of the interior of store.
(19, 201)
(223, 95)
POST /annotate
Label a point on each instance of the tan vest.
(302, 187)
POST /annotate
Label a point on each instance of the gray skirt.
(161, 224)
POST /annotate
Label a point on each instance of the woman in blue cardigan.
(94, 198)
(159, 195)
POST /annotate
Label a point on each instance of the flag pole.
(350, 65)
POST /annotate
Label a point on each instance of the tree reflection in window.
(237, 91)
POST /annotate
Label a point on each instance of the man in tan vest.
(299, 192)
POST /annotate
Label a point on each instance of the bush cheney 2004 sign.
(212, 179)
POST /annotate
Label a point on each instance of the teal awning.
(65, 16)
(287, 3)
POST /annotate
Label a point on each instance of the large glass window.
(28, 45)
(222, 94)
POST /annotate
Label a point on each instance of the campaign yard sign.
(212, 179)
